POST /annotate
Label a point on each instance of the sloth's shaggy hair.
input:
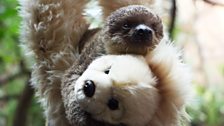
(56, 32)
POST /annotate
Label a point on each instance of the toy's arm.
(52, 29)
(52, 26)
(174, 82)
(112, 5)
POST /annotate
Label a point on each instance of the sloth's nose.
(143, 32)
(89, 88)
(113, 104)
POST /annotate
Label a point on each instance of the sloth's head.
(118, 90)
(133, 29)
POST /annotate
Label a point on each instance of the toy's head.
(133, 29)
(117, 90)
(129, 90)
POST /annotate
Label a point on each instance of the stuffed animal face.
(118, 90)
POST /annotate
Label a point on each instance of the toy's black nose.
(143, 32)
(89, 88)
(113, 104)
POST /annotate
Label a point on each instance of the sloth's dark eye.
(126, 26)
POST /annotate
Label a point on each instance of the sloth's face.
(118, 90)
(134, 29)
(138, 30)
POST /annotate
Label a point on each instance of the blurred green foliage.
(10, 58)
(208, 107)
(9, 51)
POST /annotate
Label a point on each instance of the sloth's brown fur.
(109, 7)
(119, 40)
(56, 32)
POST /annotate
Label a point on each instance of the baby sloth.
(134, 29)
(130, 90)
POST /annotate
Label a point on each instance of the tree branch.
(9, 97)
(24, 102)
(23, 71)
(6, 79)
(173, 19)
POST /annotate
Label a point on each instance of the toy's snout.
(121, 95)
(89, 91)
(113, 104)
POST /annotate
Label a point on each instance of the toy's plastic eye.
(107, 71)
(89, 88)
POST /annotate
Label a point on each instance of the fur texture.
(173, 83)
(51, 31)
(151, 91)
(56, 32)
(121, 27)
(109, 7)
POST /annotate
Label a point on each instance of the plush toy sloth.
(130, 90)
(58, 35)
(116, 90)
(56, 32)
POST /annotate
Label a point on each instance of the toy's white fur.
(152, 91)
(129, 80)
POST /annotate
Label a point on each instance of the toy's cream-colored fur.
(129, 80)
(52, 30)
(152, 91)
(173, 83)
